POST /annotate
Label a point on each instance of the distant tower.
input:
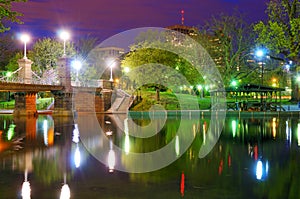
(182, 17)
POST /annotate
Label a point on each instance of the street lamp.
(64, 35)
(233, 83)
(76, 64)
(111, 63)
(25, 38)
(260, 54)
(126, 69)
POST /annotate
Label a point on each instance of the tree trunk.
(157, 94)
(295, 96)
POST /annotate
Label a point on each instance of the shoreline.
(183, 113)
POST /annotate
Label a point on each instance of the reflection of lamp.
(127, 140)
(233, 126)
(298, 133)
(75, 134)
(65, 192)
(177, 146)
(261, 169)
(11, 131)
(45, 128)
(26, 188)
(77, 158)
(111, 159)
(182, 184)
(127, 144)
(262, 165)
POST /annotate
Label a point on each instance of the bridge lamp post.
(64, 35)
(77, 66)
(25, 38)
(111, 63)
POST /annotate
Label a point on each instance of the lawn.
(171, 101)
(42, 104)
(168, 100)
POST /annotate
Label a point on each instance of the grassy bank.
(170, 101)
(42, 104)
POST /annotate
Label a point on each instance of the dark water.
(255, 157)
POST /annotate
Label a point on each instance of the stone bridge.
(67, 98)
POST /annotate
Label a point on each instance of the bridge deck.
(21, 87)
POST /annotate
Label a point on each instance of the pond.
(117, 156)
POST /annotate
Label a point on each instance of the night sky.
(104, 18)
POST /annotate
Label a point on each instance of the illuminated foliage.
(7, 14)
(281, 33)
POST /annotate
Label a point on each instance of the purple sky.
(104, 18)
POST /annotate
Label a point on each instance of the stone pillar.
(31, 128)
(107, 98)
(99, 102)
(88, 100)
(107, 90)
(25, 73)
(64, 73)
(63, 105)
(25, 103)
(63, 99)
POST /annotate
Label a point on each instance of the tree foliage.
(85, 45)
(45, 53)
(281, 33)
(151, 63)
(13, 62)
(7, 14)
(7, 50)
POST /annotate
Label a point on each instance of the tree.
(7, 50)
(281, 33)
(45, 53)
(85, 45)
(154, 67)
(229, 39)
(7, 14)
(13, 62)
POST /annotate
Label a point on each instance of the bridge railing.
(33, 81)
(12, 80)
(106, 84)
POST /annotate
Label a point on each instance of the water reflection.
(26, 191)
(254, 158)
(65, 192)
(111, 158)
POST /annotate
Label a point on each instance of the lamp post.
(64, 35)
(260, 54)
(25, 38)
(111, 63)
(77, 66)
